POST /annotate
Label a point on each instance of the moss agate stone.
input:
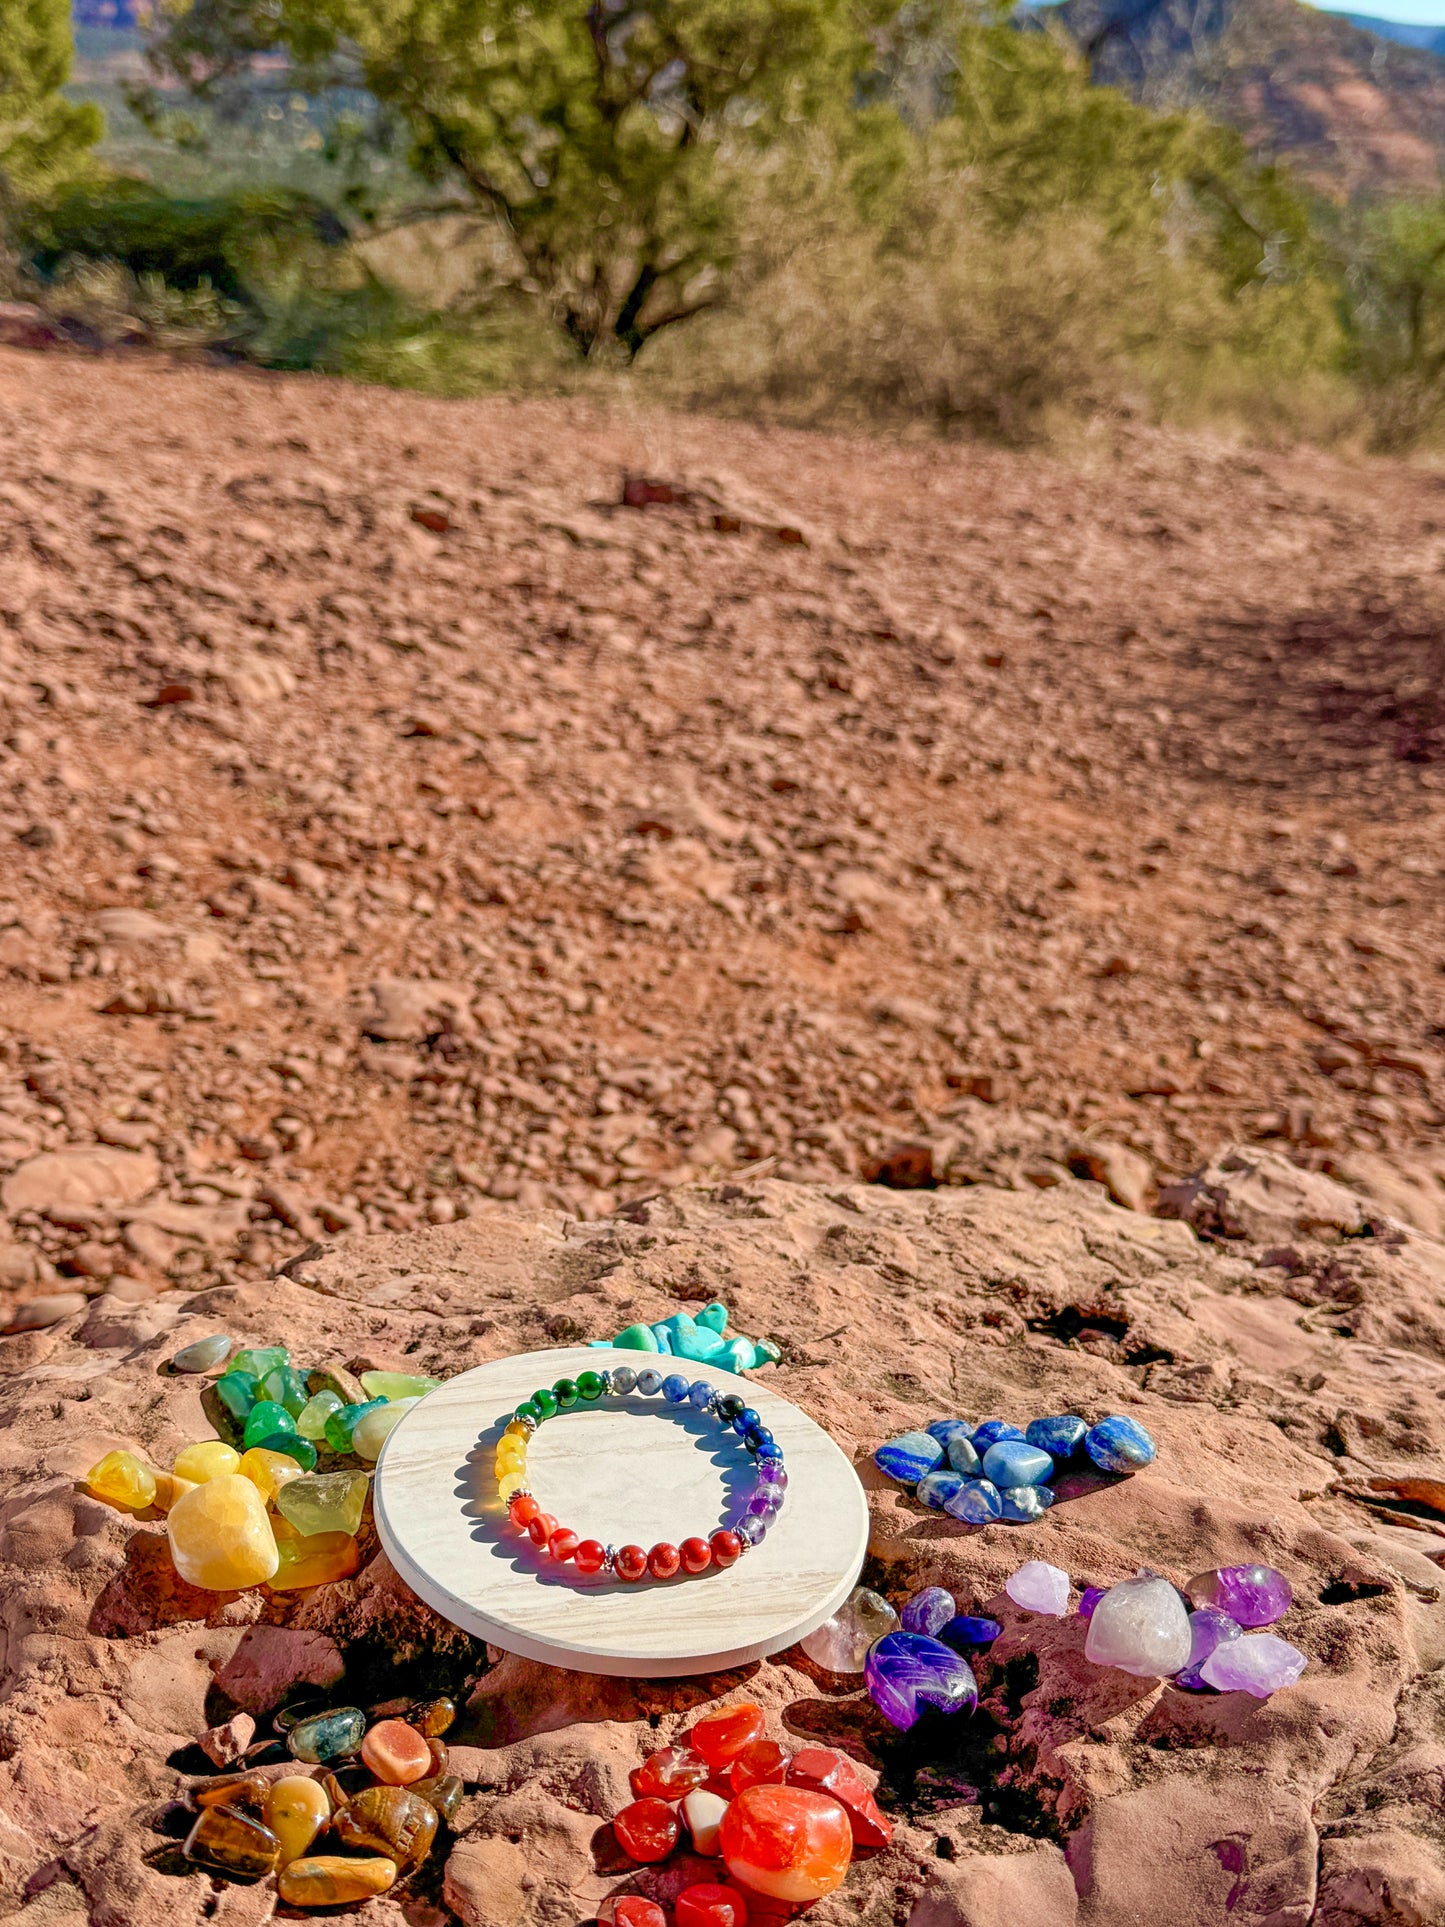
(907, 1672)
(334, 1735)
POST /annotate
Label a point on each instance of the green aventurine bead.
(237, 1391)
(528, 1410)
(324, 1502)
(590, 1386)
(264, 1358)
(311, 1419)
(265, 1419)
(397, 1385)
(637, 1338)
(341, 1425)
(287, 1388)
(302, 1450)
(545, 1402)
(328, 1736)
(565, 1393)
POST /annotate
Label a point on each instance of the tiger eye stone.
(433, 1717)
(329, 1881)
(226, 1838)
(295, 1809)
(236, 1790)
(220, 1536)
(122, 1480)
(389, 1820)
(444, 1793)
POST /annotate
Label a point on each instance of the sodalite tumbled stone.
(963, 1457)
(926, 1611)
(1119, 1445)
(991, 1431)
(937, 1488)
(1023, 1503)
(1207, 1629)
(1016, 1462)
(1060, 1436)
(1141, 1627)
(976, 1503)
(969, 1629)
(906, 1672)
(1253, 1595)
(1039, 1588)
(908, 1458)
(1257, 1663)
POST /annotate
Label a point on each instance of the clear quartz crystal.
(1142, 1627)
(841, 1643)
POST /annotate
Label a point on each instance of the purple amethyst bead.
(1207, 1629)
(1089, 1598)
(771, 1474)
(1251, 1595)
(926, 1611)
(907, 1671)
(751, 1528)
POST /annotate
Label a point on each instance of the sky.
(1420, 13)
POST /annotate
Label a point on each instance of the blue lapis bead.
(1016, 1462)
(747, 1420)
(1022, 1503)
(908, 1458)
(944, 1429)
(649, 1381)
(962, 1456)
(675, 1388)
(991, 1431)
(976, 1502)
(968, 1630)
(1119, 1444)
(699, 1393)
(1062, 1436)
(935, 1489)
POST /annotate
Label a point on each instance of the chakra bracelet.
(665, 1561)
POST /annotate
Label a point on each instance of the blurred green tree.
(43, 136)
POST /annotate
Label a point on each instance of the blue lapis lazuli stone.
(963, 1457)
(1016, 1462)
(976, 1502)
(965, 1629)
(937, 1488)
(1062, 1436)
(944, 1429)
(1119, 1444)
(991, 1431)
(908, 1458)
(1024, 1502)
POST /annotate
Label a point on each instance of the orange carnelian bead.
(708, 1905)
(590, 1555)
(763, 1763)
(664, 1560)
(670, 1774)
(695, 1554)
(726, 1548)
(721, 1736)
(563, 1543)
(630, 1562)
(522, 1509)
(648, 1829)
(786, 1842)
(636, 1910)
(541, 1528)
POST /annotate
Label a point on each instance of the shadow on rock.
(148, 1594)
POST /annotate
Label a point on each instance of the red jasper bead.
(695, 1554)
(647, 1830)
(726, 1547)
(636, 1910)
(708, 1905)
(669, 1774)
(721, 1736)
(762, 1763)
(522, 1509)
(664, 1560)
(540, 1528)
(630, 1562)
(590, 1555)
(563, 1543)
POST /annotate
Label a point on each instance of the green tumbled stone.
(260, 1360)
(294, 1447)
(237, 1391)
(328, 1736)
(590, 1386)
(287, 1388)
(324, 1502)
(637, 1338)
(265, 1419)
(311, 1419)
(565, 1393)
(714, 1316)
(202, 1355)
(341, 1425)
(397, 1385)
(546, 1402)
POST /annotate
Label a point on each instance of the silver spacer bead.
(606, 1378)
(609, 1559)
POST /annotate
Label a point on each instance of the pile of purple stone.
(980, 1473)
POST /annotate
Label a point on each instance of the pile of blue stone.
(979, 1473)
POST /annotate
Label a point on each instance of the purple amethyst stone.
(907, 1671)
(1251, 1595)
(1208, 1628)
(927, 1611)
(1089, 1598)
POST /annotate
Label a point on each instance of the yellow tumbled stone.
(312, 1559)
(121, 1479)
(268, 1471)
(169, 1488)
(327, 1880)
(510, 1482)
(220, 1535)
(206, 1459)
(295, 1809)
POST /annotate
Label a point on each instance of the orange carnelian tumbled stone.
(762, 1763)
(721, 1736)
(670, 1774)
(636, 1910)
(648, 1829)
(786, 1842)
(708, 1905)
(396, 1753)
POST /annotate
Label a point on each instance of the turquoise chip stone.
(265, 1419)
(908, 1458)
(663, 1336)
(237, 1391)
(341, 1425)
(637, 1338)
(328, 1736)
(700, 1344)
(262, 1359)
(715, 1317)
(295, 1447)
(768, 1352)
(1016, 1462)
(738, 1355)
(286, 1387)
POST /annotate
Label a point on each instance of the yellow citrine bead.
(505, 1458)
(295, 1809)
(510, 1482)
(120, 1479)
(268, 1471)
(206, 1459)
(516, 1430)
(314, 1559)
(220, 1535)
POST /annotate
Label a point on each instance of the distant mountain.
(1353, 108)
(1432, 39)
